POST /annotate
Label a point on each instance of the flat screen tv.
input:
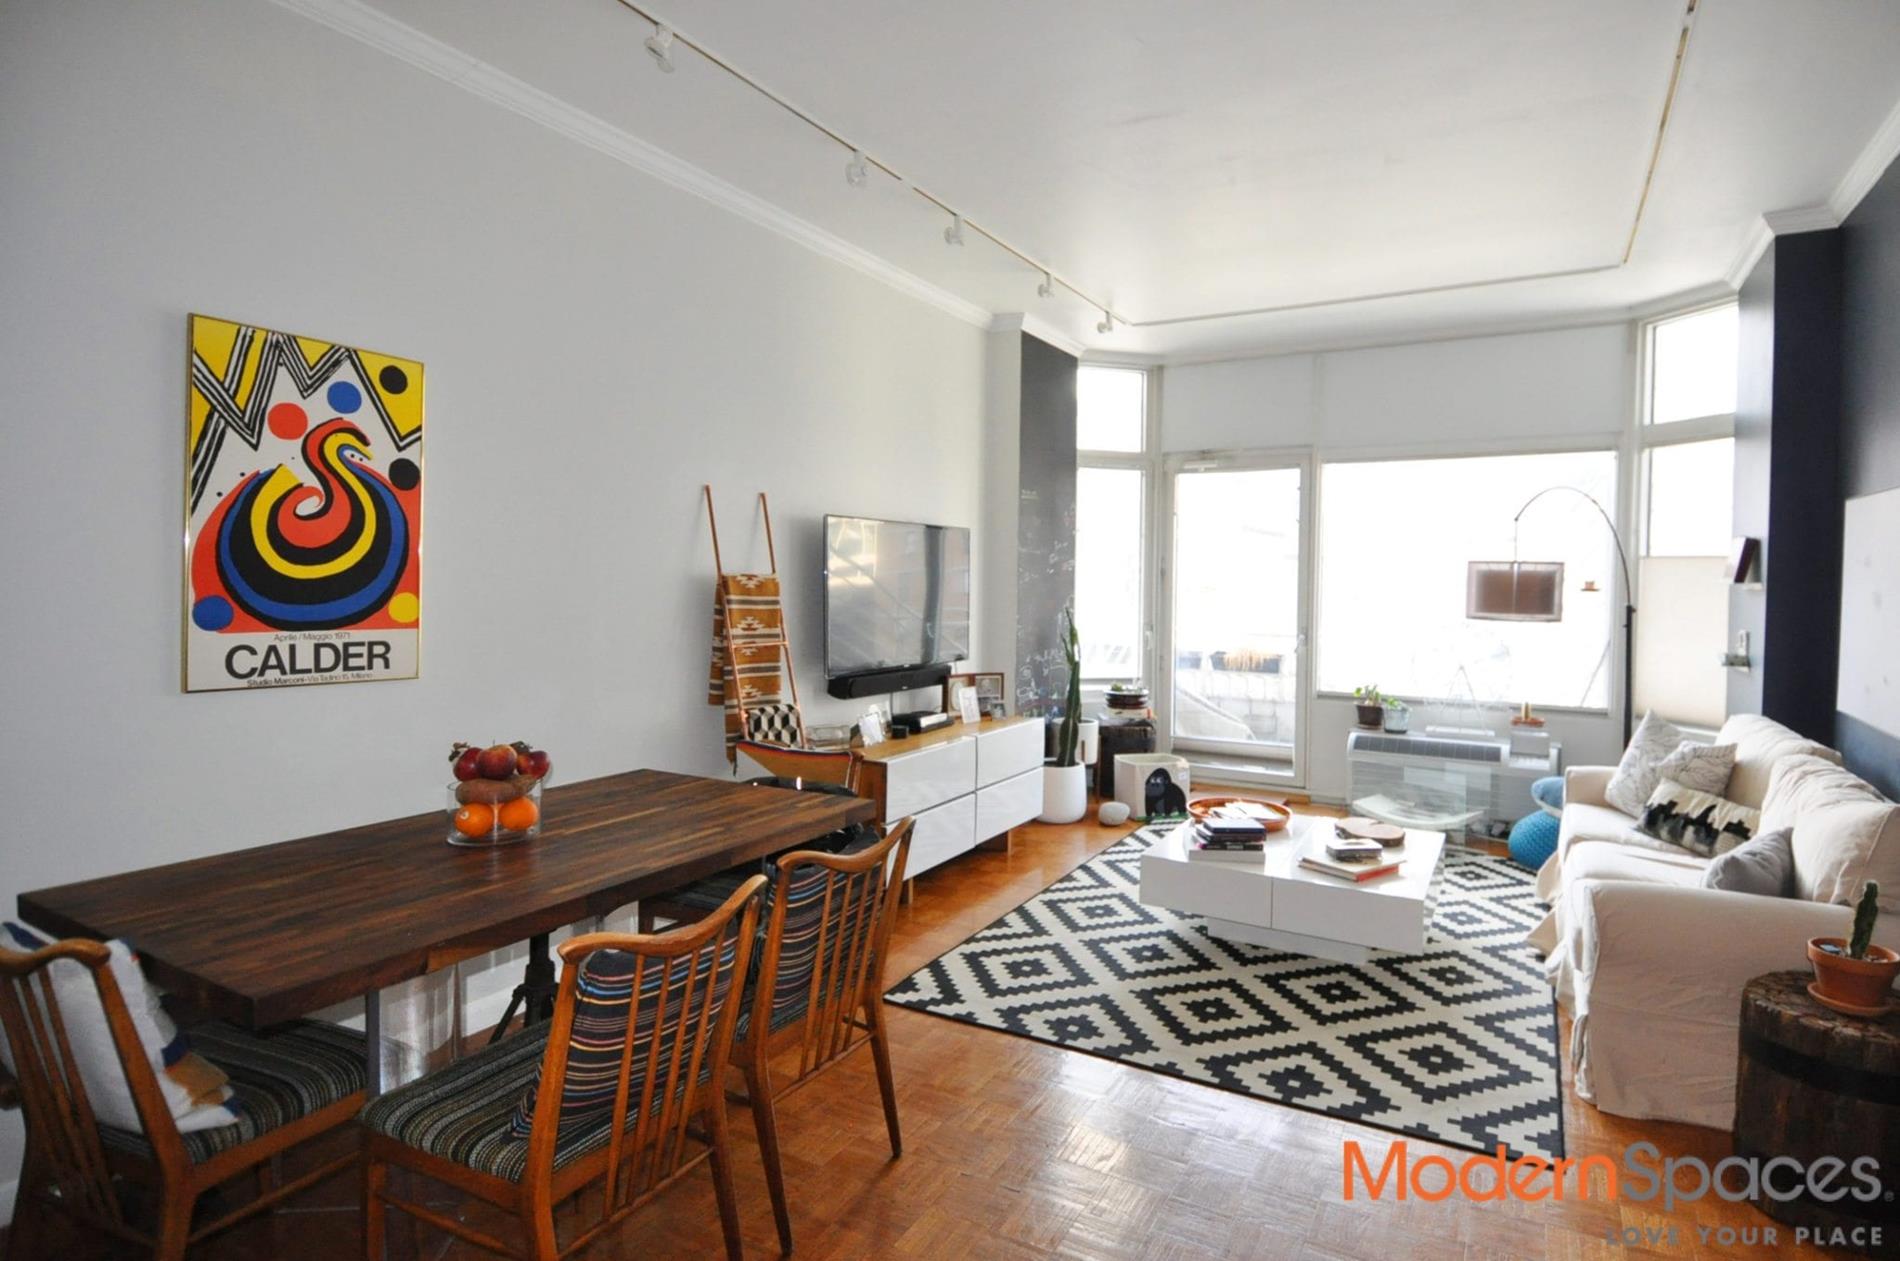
(897, 600)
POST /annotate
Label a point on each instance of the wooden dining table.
(259, 936)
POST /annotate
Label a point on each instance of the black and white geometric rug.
(1458, 1044)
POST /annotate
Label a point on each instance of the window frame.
(1143, 462)
(1608, 442)
(1648, 435)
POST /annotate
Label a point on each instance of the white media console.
(966, 784)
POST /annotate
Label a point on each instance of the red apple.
(497, 761)
(467, 764)
(533, 762)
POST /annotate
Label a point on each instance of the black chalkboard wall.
(1870, 412)
(1045, 537)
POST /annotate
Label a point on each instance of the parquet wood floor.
(1018, 1150)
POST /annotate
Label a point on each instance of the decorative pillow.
(1763, 866)
(1701, 823)
(1845, 832)
(195, 1089)
(1640, 769)
(1702, 768)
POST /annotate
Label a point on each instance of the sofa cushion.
(1759, 744)
(1640, 769)
(1649, 866)
(1702, 767)
(1845, 832)
(1584, 823)
(1763, 866)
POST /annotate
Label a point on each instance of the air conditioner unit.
(1443, 784)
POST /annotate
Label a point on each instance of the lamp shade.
(1515, 591)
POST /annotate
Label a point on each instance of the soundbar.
(880, 682)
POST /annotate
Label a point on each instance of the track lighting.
(1107, 325)
(1047, 288)
(660, 47)
(953, 235)
(855, 171)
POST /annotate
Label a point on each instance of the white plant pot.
(1065, 794)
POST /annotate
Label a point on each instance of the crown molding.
(1801, 219)
(1875, 157)
(1754, 244)
(371, 26)
(1038, 328)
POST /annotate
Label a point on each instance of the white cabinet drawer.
(942, 834)
(1000, 807)
(1005, 752)
(918, 781)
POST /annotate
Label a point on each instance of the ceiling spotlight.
(1047, 289)
(953, 235)
(1107, 325)
(855, 171)
(660, 47)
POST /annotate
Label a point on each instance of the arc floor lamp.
(1533, 591)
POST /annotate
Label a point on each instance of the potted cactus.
(1855, 976)
(1065, 790)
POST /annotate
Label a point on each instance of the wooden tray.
(1206, 806)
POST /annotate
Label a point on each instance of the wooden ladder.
(783, 643)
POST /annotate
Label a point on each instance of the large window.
(1111, 511)
(1395, 539)
(1686, 512)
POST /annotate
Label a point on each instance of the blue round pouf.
(1534, 839)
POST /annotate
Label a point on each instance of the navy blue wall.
(1870, 410)
(1787, 482)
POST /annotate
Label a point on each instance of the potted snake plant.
(1855, 975)
(1065, 789)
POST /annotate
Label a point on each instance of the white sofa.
(1651, 965)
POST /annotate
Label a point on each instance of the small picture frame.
(871, 727)
(989, 690)
(969, 708)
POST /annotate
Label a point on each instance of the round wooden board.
(1207, 805)
(1363, 829)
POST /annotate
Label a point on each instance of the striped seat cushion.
(276, 1078)
(465, 1112)
(602, 1000)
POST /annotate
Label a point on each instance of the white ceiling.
(1179, 160)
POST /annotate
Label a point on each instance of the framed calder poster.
(303, 511)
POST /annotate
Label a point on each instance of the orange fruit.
(475, 819)
(518, 815)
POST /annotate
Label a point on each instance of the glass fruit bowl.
(488, 812)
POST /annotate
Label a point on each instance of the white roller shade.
(1681, 633)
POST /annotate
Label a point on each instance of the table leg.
(373, 1041)
(534, 997)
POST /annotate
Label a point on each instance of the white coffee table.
(1279, 904)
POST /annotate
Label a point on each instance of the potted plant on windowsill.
(1371, 706)
(1397, 716)
(1855, 976)
(1065, 790)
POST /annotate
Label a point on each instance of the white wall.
(597, 344)
(1462, 396)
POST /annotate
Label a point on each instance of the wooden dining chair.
(689, 902)
(820, 985)
(620, 1092)
(291, 1085)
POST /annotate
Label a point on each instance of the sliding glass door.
(1237, 585)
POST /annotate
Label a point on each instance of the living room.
(1459, 450)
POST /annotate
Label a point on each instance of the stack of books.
(1347, 858)
(1227, 839)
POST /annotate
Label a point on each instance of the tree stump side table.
(1813, 1083)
